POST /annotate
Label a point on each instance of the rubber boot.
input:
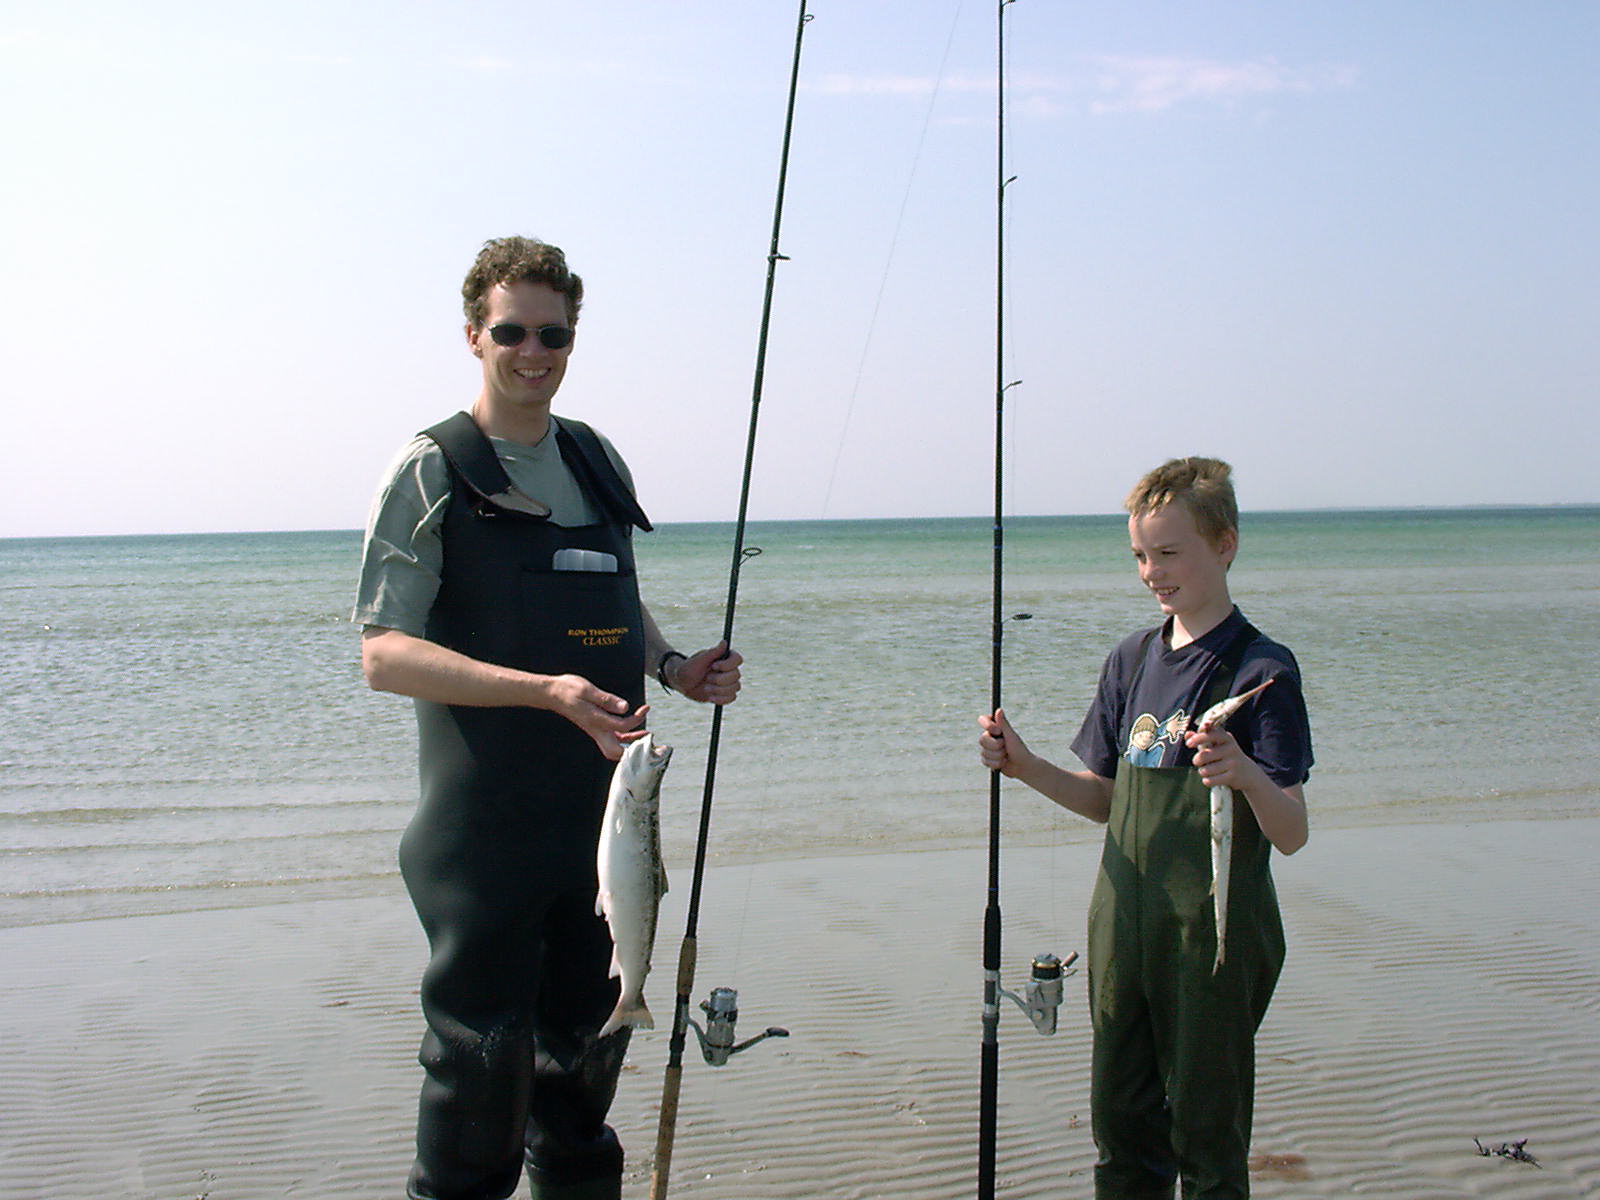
(588, 1189)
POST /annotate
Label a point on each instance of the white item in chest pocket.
(584, 560)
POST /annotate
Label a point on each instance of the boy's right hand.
(1000, 747)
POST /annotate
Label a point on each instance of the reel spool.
(716, 1039)
(1041, 995)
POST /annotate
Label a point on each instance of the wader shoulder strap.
(472, 459)
(587, 458)
(1139, 661)
(470, 456)
(1228, 662)
(1229, 659)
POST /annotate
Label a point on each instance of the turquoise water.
(183, 721)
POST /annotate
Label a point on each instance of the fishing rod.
(1042, 994)
(721, 1009)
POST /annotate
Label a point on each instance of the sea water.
(183, 721)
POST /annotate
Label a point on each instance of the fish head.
(1217, 715)
(643, 763)
(660, 752)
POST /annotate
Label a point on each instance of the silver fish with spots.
(632, 877)
(1216, 717)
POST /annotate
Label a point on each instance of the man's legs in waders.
(516, 983)
(570, 1151)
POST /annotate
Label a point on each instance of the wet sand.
(1443, 984)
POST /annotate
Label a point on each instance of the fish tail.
(632, 1013)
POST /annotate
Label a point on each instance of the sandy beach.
(1443, 984)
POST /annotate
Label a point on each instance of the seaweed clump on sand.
(1516, 1151)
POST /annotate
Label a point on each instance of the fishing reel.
(716, 1039)
(1041, 995)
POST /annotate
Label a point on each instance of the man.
(498, 590)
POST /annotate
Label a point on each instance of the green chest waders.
(500, 856)
(1174, 1045)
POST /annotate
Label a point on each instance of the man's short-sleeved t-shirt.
(403, 554)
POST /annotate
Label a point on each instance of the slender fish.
(632, 877)
(1216, 717)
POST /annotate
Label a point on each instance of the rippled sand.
(1443, 984)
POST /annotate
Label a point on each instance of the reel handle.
(716, 1040)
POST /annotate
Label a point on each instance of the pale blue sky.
(1354, 247)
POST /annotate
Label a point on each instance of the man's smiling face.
(520, 381)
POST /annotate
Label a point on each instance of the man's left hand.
(711, 677)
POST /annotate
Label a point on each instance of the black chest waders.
(1174, 1045)
(500, 856)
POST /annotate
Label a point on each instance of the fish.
(631, 876)
(1216, 717)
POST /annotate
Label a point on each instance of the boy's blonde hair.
(1203, 485)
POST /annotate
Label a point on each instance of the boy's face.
(1187, 574)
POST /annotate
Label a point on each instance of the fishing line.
(888, 262)
(721, 1007)
(735, 951)
(1018, 405)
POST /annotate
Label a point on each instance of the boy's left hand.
(1280, 811)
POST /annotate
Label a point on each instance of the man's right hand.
(407, 665)
(604, 717)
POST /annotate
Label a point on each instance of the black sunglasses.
(551, 337)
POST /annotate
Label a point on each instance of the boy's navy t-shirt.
(1146, 703)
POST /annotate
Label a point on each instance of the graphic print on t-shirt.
(1149, 739)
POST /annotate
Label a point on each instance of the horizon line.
(1484, 506)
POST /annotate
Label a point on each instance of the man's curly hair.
(511, 260)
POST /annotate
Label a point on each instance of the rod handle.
(672, 1081)
(671, 1085)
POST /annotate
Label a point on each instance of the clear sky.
(1351, 245)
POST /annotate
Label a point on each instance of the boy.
(1174, 1043)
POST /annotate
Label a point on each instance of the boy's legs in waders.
(1174, 1054)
